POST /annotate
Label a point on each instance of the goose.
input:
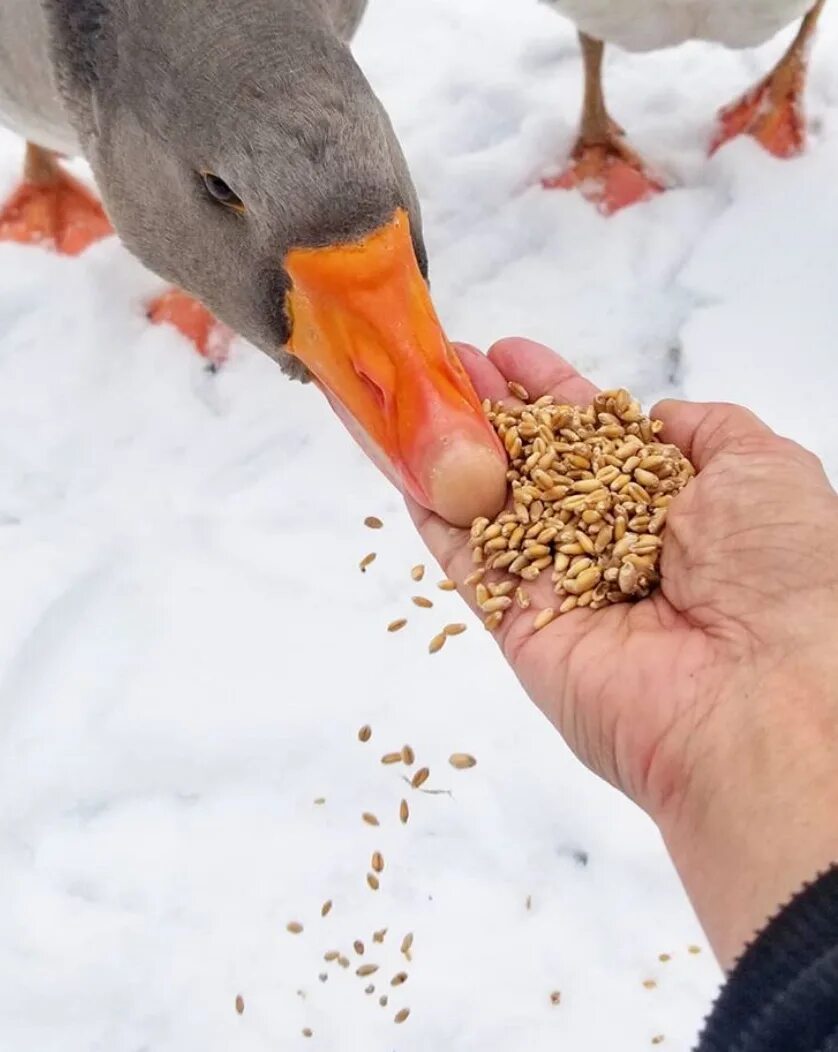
(603, 166)
(241, 155)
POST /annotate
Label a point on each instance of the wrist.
(753, 821)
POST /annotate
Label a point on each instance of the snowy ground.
(187, 647)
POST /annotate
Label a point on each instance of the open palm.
(633, 688)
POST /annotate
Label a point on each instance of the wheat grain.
(590, 492)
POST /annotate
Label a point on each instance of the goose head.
(242, 155)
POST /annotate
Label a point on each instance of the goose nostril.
(373, 388)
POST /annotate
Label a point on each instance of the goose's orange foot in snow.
(608, 174)
(211, 337)
(772, 116)
(58, 213)
(772, 112)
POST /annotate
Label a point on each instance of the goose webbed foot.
(772, 111)
(608, 173)
(210, 337)
(774, 118)
(52, 209)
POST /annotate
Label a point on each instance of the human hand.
(722, 681)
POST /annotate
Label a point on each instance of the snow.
(187, 647)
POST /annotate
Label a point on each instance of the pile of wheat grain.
(590, 490)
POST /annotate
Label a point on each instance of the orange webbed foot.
(772, 112)
(60, 214)
(773, 117)
(211, 337)
(609, 174)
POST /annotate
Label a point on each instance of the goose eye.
(219, 191)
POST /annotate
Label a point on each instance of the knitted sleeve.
(783, 993)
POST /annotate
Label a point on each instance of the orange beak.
(364, 325)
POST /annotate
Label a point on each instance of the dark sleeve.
(782, 996)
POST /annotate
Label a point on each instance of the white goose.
(603, 166)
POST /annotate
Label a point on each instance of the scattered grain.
(421, 776)
(398, 979)
(447, 585)
(373, 881)
(418, 572)
(344, 962)
(383, 1000)
(397, 625)
(366, 969)
(543, 618)
(377, 862)
(658, 1039)
(370, 818)
(372, 522)
(365, 733)
(326, 908)
(401, 1015)
(437, 643)
(462, 761)
(421, 601)
(369, 989)
(294, 927)
(366, 561)
(320, 800)
(455, 629)
(556, 997)
(378, 936)
(664, 957)
(307, 1031)
(407, 943)
(391, 757)
(358, 946)
(404, 812)
(649, 984)
(240, 1004)
(408, 755)
(331, 955)
(693, 949)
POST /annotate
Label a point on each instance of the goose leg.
(52, 208)
(211, 337)
(603, 167)
(772, 111)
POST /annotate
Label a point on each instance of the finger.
(487, 379)
(541, 371)
(702, 430)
